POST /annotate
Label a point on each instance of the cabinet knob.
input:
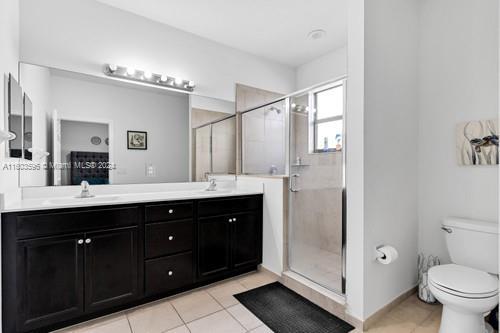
(170, 237)
(170, 211)
(88, 240)
(170, 273)
(234, 219)
(230, 220)
(80, 241)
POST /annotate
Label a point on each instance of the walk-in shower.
(316, 197)
(302, 136)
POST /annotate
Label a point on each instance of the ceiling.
(273, 29)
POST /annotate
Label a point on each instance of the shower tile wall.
(319, 202)
(202, 160)
(246, 98)
(221, 159)
(316, 210)
(264, 140)
(224, 147)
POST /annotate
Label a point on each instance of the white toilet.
(468, 288)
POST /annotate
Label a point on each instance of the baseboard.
(371, 320)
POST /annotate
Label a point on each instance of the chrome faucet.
(212, 186)
(85, 190)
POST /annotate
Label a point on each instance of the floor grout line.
(129, 324)
(225, 309)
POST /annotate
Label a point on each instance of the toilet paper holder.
(386, 254)
(379, 254)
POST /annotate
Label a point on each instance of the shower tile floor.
(320, 266)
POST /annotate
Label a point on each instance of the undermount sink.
(78, 200)
(216, 192)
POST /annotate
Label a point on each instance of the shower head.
(275, 109)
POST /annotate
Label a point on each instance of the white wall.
(82, 35)
(273, 217)
(164, 115)
(322, 69)
(458, 81)
(390, 145)
(9, 56)
(354, 145)
(212, 104)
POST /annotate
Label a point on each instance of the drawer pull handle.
(170, 273)
(170, 211)
(88, 240)
(80, 241)
(170, 237)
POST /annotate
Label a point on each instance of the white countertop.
(61, 202)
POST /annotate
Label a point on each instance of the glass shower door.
(316, 185)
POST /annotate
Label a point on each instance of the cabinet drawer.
(63, 222)
(229, 205)
(166, 238)
(168, 273)
(169, 212)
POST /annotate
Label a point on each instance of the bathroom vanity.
(66, 265)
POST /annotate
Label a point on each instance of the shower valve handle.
(293, 183)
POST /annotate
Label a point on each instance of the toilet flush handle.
(448, 230)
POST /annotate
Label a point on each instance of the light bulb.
(191, 84)
(163, 78)
(148, 75)
(113, 67)
(130, 71)
(178, 81)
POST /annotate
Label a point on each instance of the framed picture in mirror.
(137, 140)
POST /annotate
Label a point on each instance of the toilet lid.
(463, 280)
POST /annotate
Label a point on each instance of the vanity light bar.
(132, 74)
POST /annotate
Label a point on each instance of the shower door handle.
(293, 183)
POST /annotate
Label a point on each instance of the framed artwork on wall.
(477, 142)
(137, 140)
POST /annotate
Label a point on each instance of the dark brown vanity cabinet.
(50, 277)
(229, 235)
(64, 266)
(111, 268)
(61, 277)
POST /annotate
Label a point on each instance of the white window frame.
(314, 122)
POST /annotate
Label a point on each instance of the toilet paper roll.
(387, 254)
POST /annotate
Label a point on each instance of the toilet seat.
(463, 281)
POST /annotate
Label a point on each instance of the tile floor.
(411, 316)
(213, 309)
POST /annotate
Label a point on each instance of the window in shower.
(327, 120)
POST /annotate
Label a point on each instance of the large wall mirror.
(105, 131)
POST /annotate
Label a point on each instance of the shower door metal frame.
(291, 189)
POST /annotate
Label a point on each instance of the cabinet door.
(214, 243)
(111, 268)
(50, 280)
(247, 239)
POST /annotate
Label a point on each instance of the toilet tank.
(472, 243)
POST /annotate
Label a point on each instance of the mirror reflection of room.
(107, 131)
